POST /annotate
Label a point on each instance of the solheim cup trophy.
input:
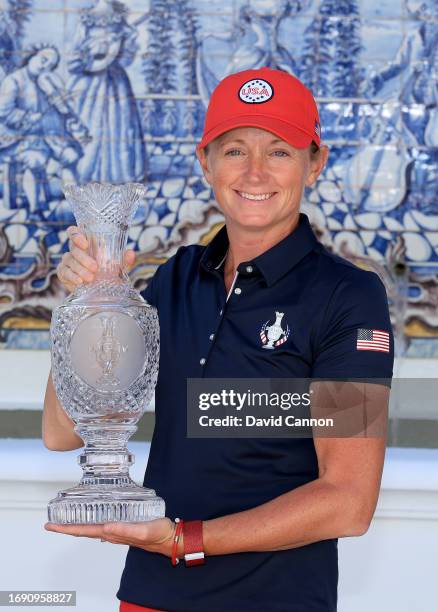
(105, 351)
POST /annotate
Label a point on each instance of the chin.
(252, 222)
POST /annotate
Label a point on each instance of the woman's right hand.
(77, 267)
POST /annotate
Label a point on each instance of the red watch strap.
(193, 543)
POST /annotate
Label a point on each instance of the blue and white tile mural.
(116, 91)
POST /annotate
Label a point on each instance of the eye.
(233, 152)
(280, 153)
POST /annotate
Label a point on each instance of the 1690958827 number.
(29, 598)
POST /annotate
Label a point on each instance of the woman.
(34, 124)
(104, 101)
(265, 513)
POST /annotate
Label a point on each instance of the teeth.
(255, 196)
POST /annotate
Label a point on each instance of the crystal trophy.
(105, 352)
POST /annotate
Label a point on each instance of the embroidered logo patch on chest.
(256, 91)
(274, 334)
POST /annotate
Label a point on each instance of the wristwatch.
(193, 543)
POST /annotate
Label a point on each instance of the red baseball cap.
(265, 98)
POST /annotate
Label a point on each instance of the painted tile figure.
(105, 43)
(383, 186)
(253, 43)
(7, 44)
(33, 127)
(141, 72)
(416, 61)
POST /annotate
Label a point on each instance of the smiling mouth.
(257, 197)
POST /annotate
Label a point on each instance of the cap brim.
(291, 134)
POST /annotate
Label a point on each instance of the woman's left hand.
(154, 536)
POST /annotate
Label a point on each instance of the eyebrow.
(241, 141)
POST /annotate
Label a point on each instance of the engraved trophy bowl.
(105, 352)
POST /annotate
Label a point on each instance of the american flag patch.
(372, 340)
(317, 129)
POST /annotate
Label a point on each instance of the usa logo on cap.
(256, 91)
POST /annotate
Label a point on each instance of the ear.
(317, 165)
(204, 163)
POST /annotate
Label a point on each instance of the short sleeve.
(161, 281)
(355, 338)
(150, 293)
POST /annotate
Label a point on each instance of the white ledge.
(24, 378)
(30, 475)
(411, 469)
(28, 460)
(25, 375)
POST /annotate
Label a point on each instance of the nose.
(256, 168)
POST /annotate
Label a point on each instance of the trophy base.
(105, 504)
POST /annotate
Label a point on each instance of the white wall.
(393, 567)
(23, 377)
(32, 558)
(390, 569)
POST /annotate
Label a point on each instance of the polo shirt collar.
(215, 252)
(274, 263)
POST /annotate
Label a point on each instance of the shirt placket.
(203, 362)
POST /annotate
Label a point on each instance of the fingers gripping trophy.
(105, 352)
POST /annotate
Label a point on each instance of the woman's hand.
(153, 536)
(77, 266)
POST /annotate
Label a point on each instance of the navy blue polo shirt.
(207, 333)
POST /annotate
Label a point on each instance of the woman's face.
(43, 61)
(258, 179)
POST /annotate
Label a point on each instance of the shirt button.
(202, 361)
(220, 313)
(211, 336)
(249, 269)
(238, 290)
